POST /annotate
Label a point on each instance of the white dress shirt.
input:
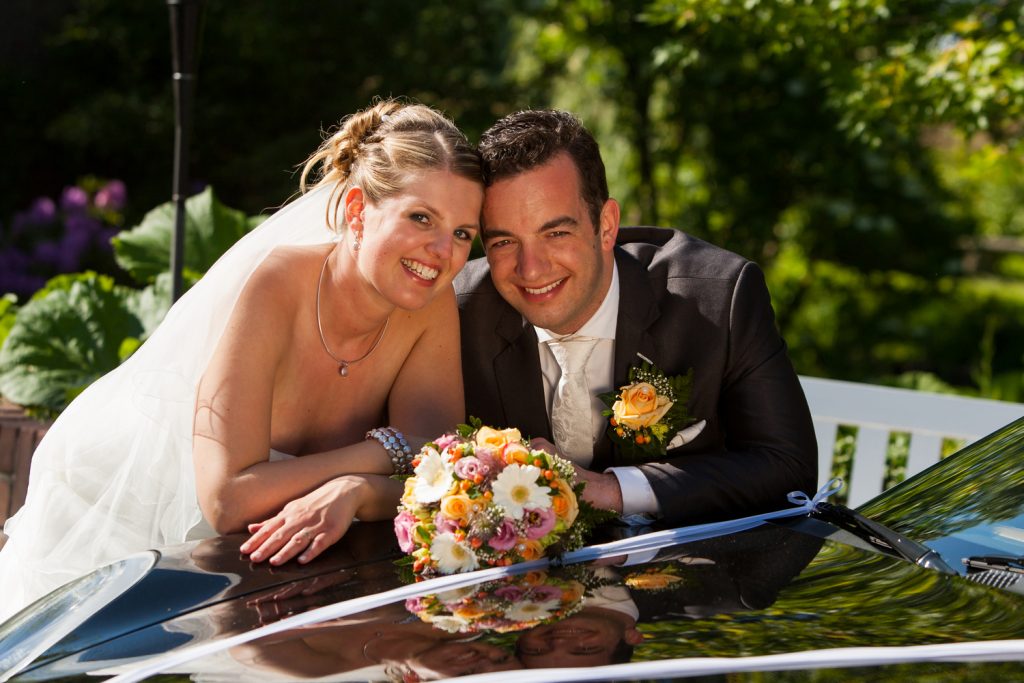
(637, 495)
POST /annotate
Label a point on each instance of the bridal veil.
(114, 473)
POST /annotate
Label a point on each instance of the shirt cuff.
(637, 494)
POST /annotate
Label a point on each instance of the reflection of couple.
(292, 346)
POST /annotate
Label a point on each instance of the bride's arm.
(231, 434)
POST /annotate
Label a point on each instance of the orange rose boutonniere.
(644, 414)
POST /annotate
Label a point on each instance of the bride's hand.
(310, 524)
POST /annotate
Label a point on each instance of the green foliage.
(210, 228)
(8, 309)
(78, 327)
(66, 337)
(884, 327)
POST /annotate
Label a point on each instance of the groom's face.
(547, 259)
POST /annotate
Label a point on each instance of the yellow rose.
(529, 549)
(409, 494)
(456, 507)
(639, 405)
(496, 439)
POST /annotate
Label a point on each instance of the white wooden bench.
(878, 411)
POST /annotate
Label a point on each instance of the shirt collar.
(602, 324)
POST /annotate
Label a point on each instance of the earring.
(357, 240)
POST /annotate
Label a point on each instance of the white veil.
(114, 474)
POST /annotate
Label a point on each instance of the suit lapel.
(637, 312)
(517, 369)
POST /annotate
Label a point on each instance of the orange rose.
(640, 405)
(456, 507)
(565, 504)
(516, 452)
(529, 549)
(493, 438)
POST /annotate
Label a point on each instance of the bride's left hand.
(310, 524)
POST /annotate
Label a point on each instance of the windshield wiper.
(881, 536)
(983, 562)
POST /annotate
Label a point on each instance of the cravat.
(571, 419)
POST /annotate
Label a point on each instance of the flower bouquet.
(483, 497)
(512, 603)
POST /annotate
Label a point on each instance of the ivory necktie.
(571, 418)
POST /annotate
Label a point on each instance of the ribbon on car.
(802, 504)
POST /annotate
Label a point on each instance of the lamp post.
(184, 33)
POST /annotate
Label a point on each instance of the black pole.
(184, 30)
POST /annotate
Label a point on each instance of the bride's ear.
(354, 206)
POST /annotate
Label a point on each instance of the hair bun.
(357, 129)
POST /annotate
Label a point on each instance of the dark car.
(924, 582)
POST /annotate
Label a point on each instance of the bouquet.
(483, 497)
(512, 603)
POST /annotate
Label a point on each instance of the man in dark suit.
(559, 271)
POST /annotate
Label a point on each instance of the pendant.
(343, 369)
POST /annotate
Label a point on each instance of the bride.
(291, 345)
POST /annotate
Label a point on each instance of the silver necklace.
(342, 364)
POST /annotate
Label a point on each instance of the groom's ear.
(354, 206)
(608, 230)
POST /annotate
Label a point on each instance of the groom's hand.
(602, 488)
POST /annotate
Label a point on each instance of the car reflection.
(575, 616)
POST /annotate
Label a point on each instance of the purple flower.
(469, 467)
(504, 537)
(74, 200)
(539, 523)
(42, 211)
(112, 196)
(405, 523)
(544, 592)
(511, 593)
(82, 225)
(445, 525)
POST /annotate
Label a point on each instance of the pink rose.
(468, 467)
(545, 592)
(539, 523)
(445, 524)
(511, 593)
(405, 523)
(445, 440)
(505, 537)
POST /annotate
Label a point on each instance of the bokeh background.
(867, 153)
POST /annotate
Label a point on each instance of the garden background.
(866, 152)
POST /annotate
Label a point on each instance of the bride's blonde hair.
(377, 148)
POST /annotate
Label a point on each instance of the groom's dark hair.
(527, 139)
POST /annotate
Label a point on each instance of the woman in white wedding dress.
(291, 344)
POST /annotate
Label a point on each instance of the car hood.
(773, 589)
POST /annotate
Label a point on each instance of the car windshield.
(970, 504)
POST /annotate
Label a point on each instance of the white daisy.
(449, 623)
(531, 611)
(451, 555)
(516, 489)
(433, 477)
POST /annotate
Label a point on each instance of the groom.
(560, 274)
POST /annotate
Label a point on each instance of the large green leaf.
(8, 309)
(64, 338)
(210, 228)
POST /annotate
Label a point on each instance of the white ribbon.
(645, 542)
(978, 651)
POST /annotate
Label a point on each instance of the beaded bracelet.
(396, 446)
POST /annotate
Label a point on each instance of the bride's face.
(415, 242)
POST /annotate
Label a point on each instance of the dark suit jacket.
(683, 304)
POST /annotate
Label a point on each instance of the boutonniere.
(655, 579)
(645, 414)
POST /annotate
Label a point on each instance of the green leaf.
(8, 310)
(65, 338)
(210, 228)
